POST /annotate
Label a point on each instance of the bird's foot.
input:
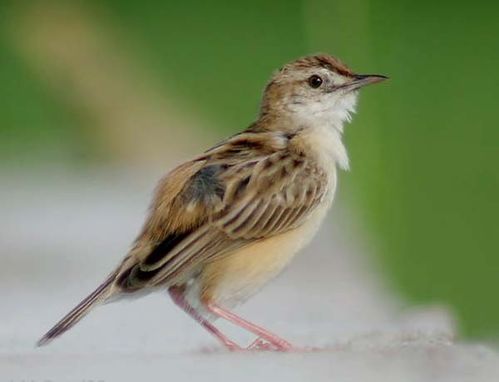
(261, 344)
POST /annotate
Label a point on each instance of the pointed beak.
(361, 80)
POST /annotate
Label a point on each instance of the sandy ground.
(62, 233)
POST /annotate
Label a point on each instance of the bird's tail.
(69, 320)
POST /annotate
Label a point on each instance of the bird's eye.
(315, 81)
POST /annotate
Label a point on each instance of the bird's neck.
(319, 137)
(324, 140)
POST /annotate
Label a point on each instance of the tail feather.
(78, 312)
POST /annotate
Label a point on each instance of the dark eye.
(315, 81)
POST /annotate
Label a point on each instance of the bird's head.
(315, 89)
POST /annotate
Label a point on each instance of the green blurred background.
(80, 83)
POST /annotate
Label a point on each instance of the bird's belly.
(236, 277)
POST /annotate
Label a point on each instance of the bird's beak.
(361, 80)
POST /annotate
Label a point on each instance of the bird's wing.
(223, 201)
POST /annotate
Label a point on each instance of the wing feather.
(229, 201)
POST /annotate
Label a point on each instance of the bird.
(222, 225)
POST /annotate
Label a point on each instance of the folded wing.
(223, 202)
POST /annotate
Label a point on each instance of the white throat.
(323, 128)
(326, 141)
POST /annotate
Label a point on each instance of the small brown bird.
(223, 224)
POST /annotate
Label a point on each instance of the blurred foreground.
(61, 233)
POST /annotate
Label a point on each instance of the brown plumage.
(225, 222)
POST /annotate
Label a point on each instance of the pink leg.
(276, 341)
(178, 297)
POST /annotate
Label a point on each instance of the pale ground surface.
(61, 235)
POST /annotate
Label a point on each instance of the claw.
(260, 345)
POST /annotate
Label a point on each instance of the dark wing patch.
(164, 247)
(205, 183)
(139, 274)
(204, 190)
(134, 278)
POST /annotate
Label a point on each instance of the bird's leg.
(177, 296)
(279, 343)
